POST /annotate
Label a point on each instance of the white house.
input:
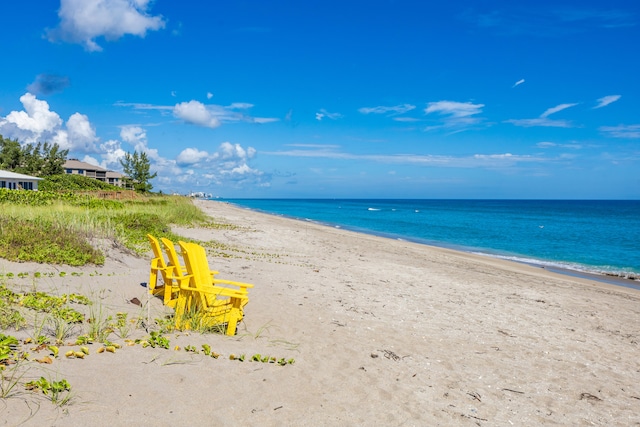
(18, 181)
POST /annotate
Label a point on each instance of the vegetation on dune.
(45, 241)
(59, 228)
(70, 182)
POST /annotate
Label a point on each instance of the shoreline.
(608, 278)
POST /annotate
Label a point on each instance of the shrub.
(45, 242)
(66, 182)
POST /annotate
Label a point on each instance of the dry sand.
(383, 332)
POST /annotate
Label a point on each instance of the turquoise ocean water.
(582, 236)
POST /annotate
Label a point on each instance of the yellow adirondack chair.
(171, 271)
(204, 271)
(174, 273)
(159, 266)
(200, 298)
(206, 275)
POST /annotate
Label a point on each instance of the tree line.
(45, 159)
(32, 159)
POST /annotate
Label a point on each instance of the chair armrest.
(217, 291)
(180, 279)
(243, 286)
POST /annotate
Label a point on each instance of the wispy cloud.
(606, 100)
(549, 22)
(240, 106)
(544, 119)
(555, 109)
(324, 113)
(82, 21)
(263, 120)
(621, 131)
(592, 17)
(540, 122)
(518, 83)
(397, 109)
(474, 161)
(547, 144)
(406, 119)
(143, 106)
(206, 115)
(319, 146)
(454, 109)
(455, 114)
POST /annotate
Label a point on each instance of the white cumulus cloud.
(228, 164)
(37, 123)
(196, 113)
(30, 124)
(190, 156)
(212, 116)
(133, 134)
(81, 134)
(137, 136)
(82, 21)
(112, 153)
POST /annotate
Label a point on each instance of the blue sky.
(335, 99)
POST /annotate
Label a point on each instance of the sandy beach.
(383, 332)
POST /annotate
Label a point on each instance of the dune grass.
(61, 230)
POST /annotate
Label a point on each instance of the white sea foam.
(579, 268)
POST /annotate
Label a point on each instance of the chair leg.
(179, 313)
(153, 276)
(232, 324)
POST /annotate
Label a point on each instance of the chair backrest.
(204, 273)
(192, 254)
(174, 261)
(157, 252)
(198, 280)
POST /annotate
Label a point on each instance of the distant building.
(18, 181)
(116, 178)
(200, 195)
(76, 167)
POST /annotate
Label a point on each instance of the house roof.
(14, 175)
(114, 174)
(77, 164)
